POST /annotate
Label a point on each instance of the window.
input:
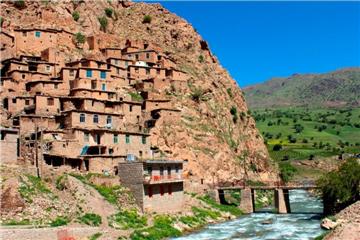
(177, 169)
(143, 139)
(24, 34)
(50, 101)
(169, 189)
(14, 100)
(72, 73)
(82, 117)
(108, 120)
(137, 56)
(161, 190)
(169, 171)
(23, 76)
(103, 87)
(116, 138)
(86, 137)
(97, 138)
(161, 171)
(111, 151)
(130, 108)
(48, 68)
(147, 71)
(127, 139)
(126, 64)
(96, 118)
(102, 74)
(37, 34)
(56, 86)
(116, 62)
(27, 102)
(149, 170)
(88, 73)
(147, 55)
(93, 85)
(117, 71)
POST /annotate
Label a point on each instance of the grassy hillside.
(301, 133)
(335, 89)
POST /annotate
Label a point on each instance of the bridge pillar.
(282, 202)
(247, 200)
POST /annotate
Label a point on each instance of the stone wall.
(131, 176)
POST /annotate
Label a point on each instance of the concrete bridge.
(248, 193)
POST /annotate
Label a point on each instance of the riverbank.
(349, 227)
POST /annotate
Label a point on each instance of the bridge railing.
(243, 184)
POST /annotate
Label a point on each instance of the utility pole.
(36, 152)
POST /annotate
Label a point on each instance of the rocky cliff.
(216, 135)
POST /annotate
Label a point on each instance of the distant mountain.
(335, 89)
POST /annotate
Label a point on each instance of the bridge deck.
(268, 187)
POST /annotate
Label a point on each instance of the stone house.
(157, 185)
(9, 145)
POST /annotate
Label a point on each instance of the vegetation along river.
(303, 223)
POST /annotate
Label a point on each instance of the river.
(302, 224)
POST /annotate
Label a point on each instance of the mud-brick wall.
(131, 176)
(9, 148)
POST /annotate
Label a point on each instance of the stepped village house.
(90, 114)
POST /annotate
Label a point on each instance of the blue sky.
(259, 40)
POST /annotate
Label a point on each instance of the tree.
(340, 188)
(287, 171)
(109, 12)
(103, 23)
(277, 147)
(76, 15)
(80, 38)
(19, 4)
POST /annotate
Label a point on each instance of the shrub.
(76, 15)
(103, 23)
(1, 21)
(19, 4)
(91, 219)
(197, 94)
(201, 59)
(60, 182)
(136, 96)
(80, 38)
(277, 147)
(224, 208)
(228, 90)
(339, 188)
(287, 171)
(95, 236)
(147, 19)
(59, 221)
(109, 12)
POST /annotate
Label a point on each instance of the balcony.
(157, 179)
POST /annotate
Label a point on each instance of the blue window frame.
(88, 73)
(102, 74)
(103, 87)
(37, 34)
(82, 117)
(127, 139)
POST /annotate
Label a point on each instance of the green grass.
(91, 219)
(136, 96)
(234, 210)
(127, 219)
(161, 229)
(32, 186)
(338, 132)
(95, 236)
(14, 222)
(321, 236)
(59, 221)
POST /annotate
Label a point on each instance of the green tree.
(340, 188)
(109, 12)
(80, 38)
(103, 23)
(147, 19)
(76, 15)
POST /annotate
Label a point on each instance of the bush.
(340, 188)
(197, 94)
(91, 219)
(136, 96)
(95, 236)
(224, 208)
(277, 147)
(76, 15)
(109, 12)
(59, 221)
(103, 23)
(19, 4)
(80, 38)
(201, 59)
(228, 90)
(60, 182)
(147, 19)
(287, 171)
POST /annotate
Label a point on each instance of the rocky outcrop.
(216, 134)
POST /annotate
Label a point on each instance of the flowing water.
(303, 223)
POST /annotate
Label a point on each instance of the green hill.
(335, 89)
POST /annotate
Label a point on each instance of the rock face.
(216, 135)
